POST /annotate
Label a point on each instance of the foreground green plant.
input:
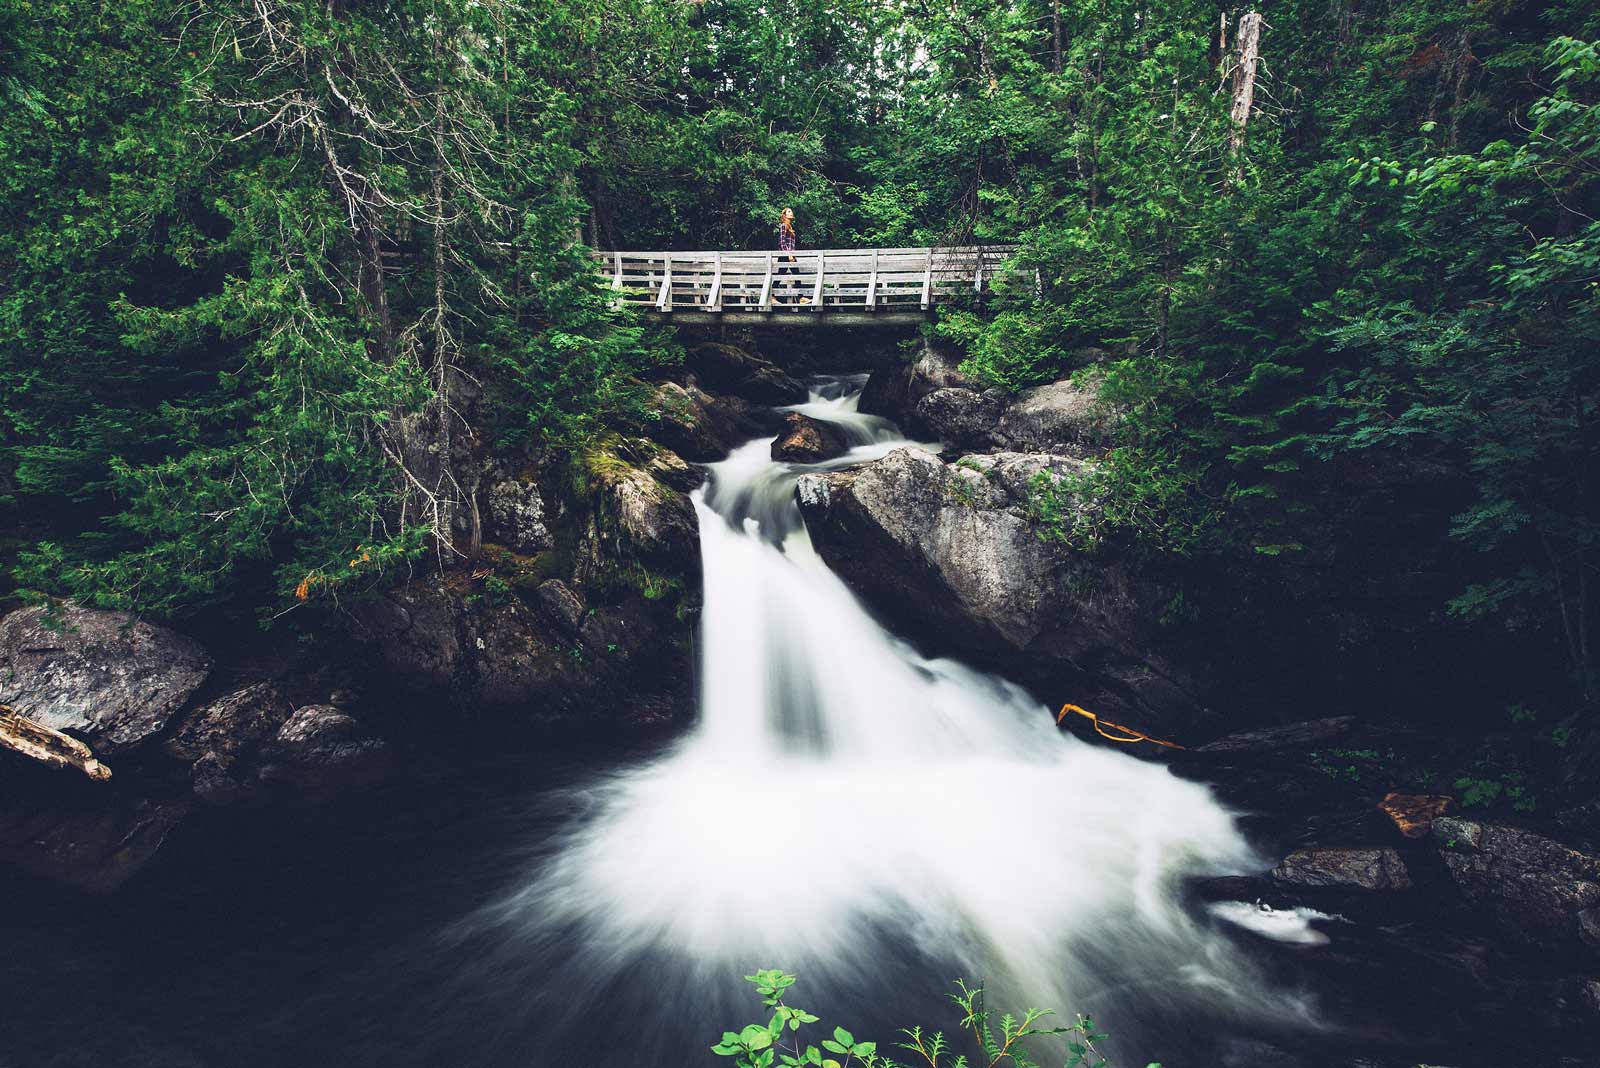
(778, 1041)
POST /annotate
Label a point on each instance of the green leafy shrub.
(1006, 1040)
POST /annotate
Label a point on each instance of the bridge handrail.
(819, 280)
(658, 253)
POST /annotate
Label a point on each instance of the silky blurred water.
(843, 799)
(877, 821)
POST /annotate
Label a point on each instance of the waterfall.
(843, 799)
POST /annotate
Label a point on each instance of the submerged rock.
(1362, 869)
(805, 440)
(107, 677)
(94, 846)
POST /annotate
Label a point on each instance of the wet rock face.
(730, 369)
(1362, 869)
(103, 676)
(230, 724)
(932, 397)
(805, 440)
(963, 418)
(316, 727)
(895, 391)
(648, 518)
(700, 427)
(956, 541)
(415, 631)
(1289, 736)
(1052, 416)
(516, 516)
(1530, 886)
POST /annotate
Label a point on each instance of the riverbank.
(350, 900)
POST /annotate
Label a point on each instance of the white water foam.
(839, 788)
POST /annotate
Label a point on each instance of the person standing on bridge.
(787, 240)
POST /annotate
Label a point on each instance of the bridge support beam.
(797, 318)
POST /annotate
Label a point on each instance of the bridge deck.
(853, 286)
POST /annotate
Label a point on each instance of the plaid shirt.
(786, 238)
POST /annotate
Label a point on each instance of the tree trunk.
(1244, 83)
(1055, 32)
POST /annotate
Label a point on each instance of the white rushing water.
(841, 792)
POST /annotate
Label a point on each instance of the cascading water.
(846, 807)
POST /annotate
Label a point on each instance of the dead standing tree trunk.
(1247, 44)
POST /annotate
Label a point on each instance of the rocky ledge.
(571, 613)
(951, 550)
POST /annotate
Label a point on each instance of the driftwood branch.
(38, 742)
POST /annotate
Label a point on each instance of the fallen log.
(46, 745)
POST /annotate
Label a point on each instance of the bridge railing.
(815, 280)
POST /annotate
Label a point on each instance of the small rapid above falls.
(844, 800)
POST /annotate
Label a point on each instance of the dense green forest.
(259, 258)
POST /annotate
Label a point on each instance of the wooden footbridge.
(830, 286)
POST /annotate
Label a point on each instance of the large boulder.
(951, 552)
(726, 368)
(107, 677)
(1360, 869)
(417, 633)
(231, 724)
(805, 440)
(896, 390)
(635, 516)
(1532, 887)
(701, 427)
(515, 516)
(936, 367)
(517, 659)
(885, 392)
(1061, 415)
(963, 418)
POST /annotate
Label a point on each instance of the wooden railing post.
(977, 276)
(714, 299)
(927, 283)
(616, 278)
(816, 294)
(664, 301)
(872, 284)
(766, 287)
